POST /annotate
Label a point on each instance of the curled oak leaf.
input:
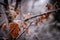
(14, 30)
(17, 11)
(12, 26)
(27, 31)
(13, 13)
(19, 22)
(39, 20)
(25, 25)
(14, 34)
(47, 16)
(49, 6)
(55, 7)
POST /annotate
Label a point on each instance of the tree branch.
(17, 2)
(50, 11)
(37, 16)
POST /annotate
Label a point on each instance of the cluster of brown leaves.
(14, 30)
(25, 25)
(49, 6)
(39, 19)
(12, 11)
(14, 26)
(17, 11)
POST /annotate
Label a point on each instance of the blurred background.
(29, 11)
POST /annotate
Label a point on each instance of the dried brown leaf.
(14, 30)
(49, 6)
(25, 25)
(39, 19)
